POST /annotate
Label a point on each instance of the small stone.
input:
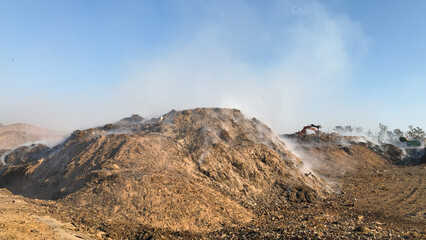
(100, 234)
(362, 229)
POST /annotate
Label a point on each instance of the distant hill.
(16, 135)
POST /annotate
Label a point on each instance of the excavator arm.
(312, 127)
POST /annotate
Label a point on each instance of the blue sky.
(77, 64)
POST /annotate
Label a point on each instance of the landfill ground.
(211, 174)
(385, 204)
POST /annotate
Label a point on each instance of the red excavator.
(312, 127)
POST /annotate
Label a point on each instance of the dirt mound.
(22, 218)
(320, 137)
(15, 135)
(331, 153)
(399, 156)
(134, 119)
(196, 170)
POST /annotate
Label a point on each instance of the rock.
(100, 234)
(362, 230)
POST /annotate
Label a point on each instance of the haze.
(76, 64)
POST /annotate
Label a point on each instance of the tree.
(398, 133)
(382, 131)
(338, 129)
(415, 133)
(349, 129)
(358, 129)
(390, 135)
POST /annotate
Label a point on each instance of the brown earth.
(196, 170)
(16, 135)
(331, 154)
(22, 218)
(211, 173)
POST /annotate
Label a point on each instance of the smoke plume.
(286, 66)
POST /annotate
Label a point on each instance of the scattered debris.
(212, 173)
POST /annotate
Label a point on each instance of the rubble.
(194, 170)
(212, 173)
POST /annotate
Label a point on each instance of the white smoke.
(308, 160)
(286, 65)
(3, 156)
(312, 62)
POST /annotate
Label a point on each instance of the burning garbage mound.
(332, 153)
(195, 170)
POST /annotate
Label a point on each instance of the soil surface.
(211, 174)
(196, 170)
(23, 218)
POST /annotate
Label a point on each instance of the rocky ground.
(385, 205)
(22, 218)
(211, 174)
